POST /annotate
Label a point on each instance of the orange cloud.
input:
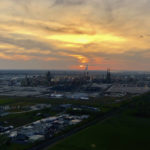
(15, 57)
(48, 59)
(25, 57)
(82, 59)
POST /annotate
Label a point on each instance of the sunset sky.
(68, 34)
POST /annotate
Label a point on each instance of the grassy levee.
(125, 131)
(114, 134)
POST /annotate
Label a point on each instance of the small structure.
(36, 138)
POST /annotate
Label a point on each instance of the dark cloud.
(69, 2)
(49, 27)
(25, 43)
(67, 29)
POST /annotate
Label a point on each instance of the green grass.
(14, 146)
(124, 131)
(5, 101)
(120, 133)
(24, 118)
(23, 101)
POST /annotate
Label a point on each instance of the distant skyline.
(68, 34)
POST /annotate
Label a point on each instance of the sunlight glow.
(86, 39)
(82, 66)
(82, 59)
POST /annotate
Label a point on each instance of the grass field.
(15, 146)
(24, 118)
(125, 131)
(23, 101)
(28, 117)
(120, 133)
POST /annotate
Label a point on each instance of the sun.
(81, 66)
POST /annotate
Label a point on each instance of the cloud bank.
(67, 34)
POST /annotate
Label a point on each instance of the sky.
(69, 34)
